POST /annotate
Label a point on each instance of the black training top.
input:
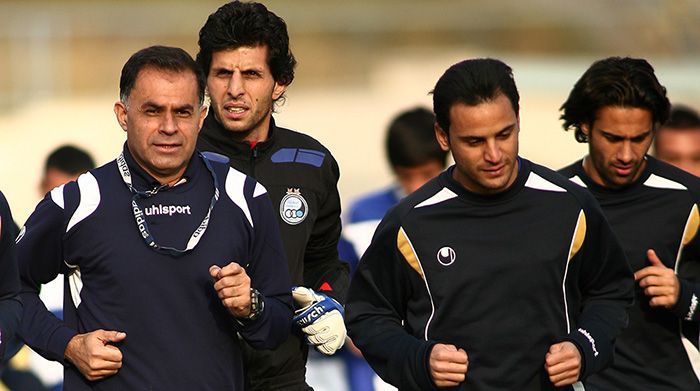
(658, 211)
(503, 277)
(301, 177)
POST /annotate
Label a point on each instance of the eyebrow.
(161, 107)
(641, 135)
(503, 130)
(507, 128)
(224, 68)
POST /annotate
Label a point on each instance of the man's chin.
(617, 181)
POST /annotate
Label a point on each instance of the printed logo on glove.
(321, 318)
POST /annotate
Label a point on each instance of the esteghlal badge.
(293, 207)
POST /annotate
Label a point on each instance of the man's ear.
(278, 90)
(204, 110)
(586, 129)
(442, 138)
(120, 112)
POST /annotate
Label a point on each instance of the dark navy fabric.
(10, 305)
(179, 334)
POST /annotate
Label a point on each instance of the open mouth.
(235, 111)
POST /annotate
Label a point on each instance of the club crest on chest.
(293, 207)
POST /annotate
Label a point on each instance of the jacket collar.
(142, 180)
(215, 134)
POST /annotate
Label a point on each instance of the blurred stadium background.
(360, 61)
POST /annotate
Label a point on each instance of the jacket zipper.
(253, 157)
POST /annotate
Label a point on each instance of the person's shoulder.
(544, 178)
(665, 170)
(293, 146)
(667, 176)
(557, 177)
(3, 202)
(431, 195)
(293, 138)
(571, 170)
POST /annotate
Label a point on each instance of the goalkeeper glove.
(321, 318)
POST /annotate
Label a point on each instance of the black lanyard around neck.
(139, 216)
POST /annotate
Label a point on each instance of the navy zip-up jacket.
(179, 334)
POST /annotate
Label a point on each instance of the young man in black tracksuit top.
(497, 275)
(616, 107)
(244, 50)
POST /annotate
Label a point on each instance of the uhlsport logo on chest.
(446, 256)
(293, 207)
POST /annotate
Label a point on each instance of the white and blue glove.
(321, 318)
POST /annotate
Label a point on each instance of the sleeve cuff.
(428, 383)
(686, 307)
(59, 341)
(595, 352)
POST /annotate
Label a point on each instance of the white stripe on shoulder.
(235, 180)
(663, 183)
(259, 190)
(442, 195)
(577, 180)
(535, 181)
(57, 196)
(89, 199)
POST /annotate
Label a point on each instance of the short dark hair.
(411, 141)
(162, 58)
(70, 160)
(473, 82)
(239, 24)
(682, 117)
(614, 81)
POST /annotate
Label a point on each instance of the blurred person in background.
(64, 164)
(677, 141)
(616, 107)
(472, 281)
(415, 157)
(244, 51)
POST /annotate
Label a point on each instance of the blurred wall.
(359, 63)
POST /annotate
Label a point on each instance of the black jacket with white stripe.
(503, 277)
(658, 211)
